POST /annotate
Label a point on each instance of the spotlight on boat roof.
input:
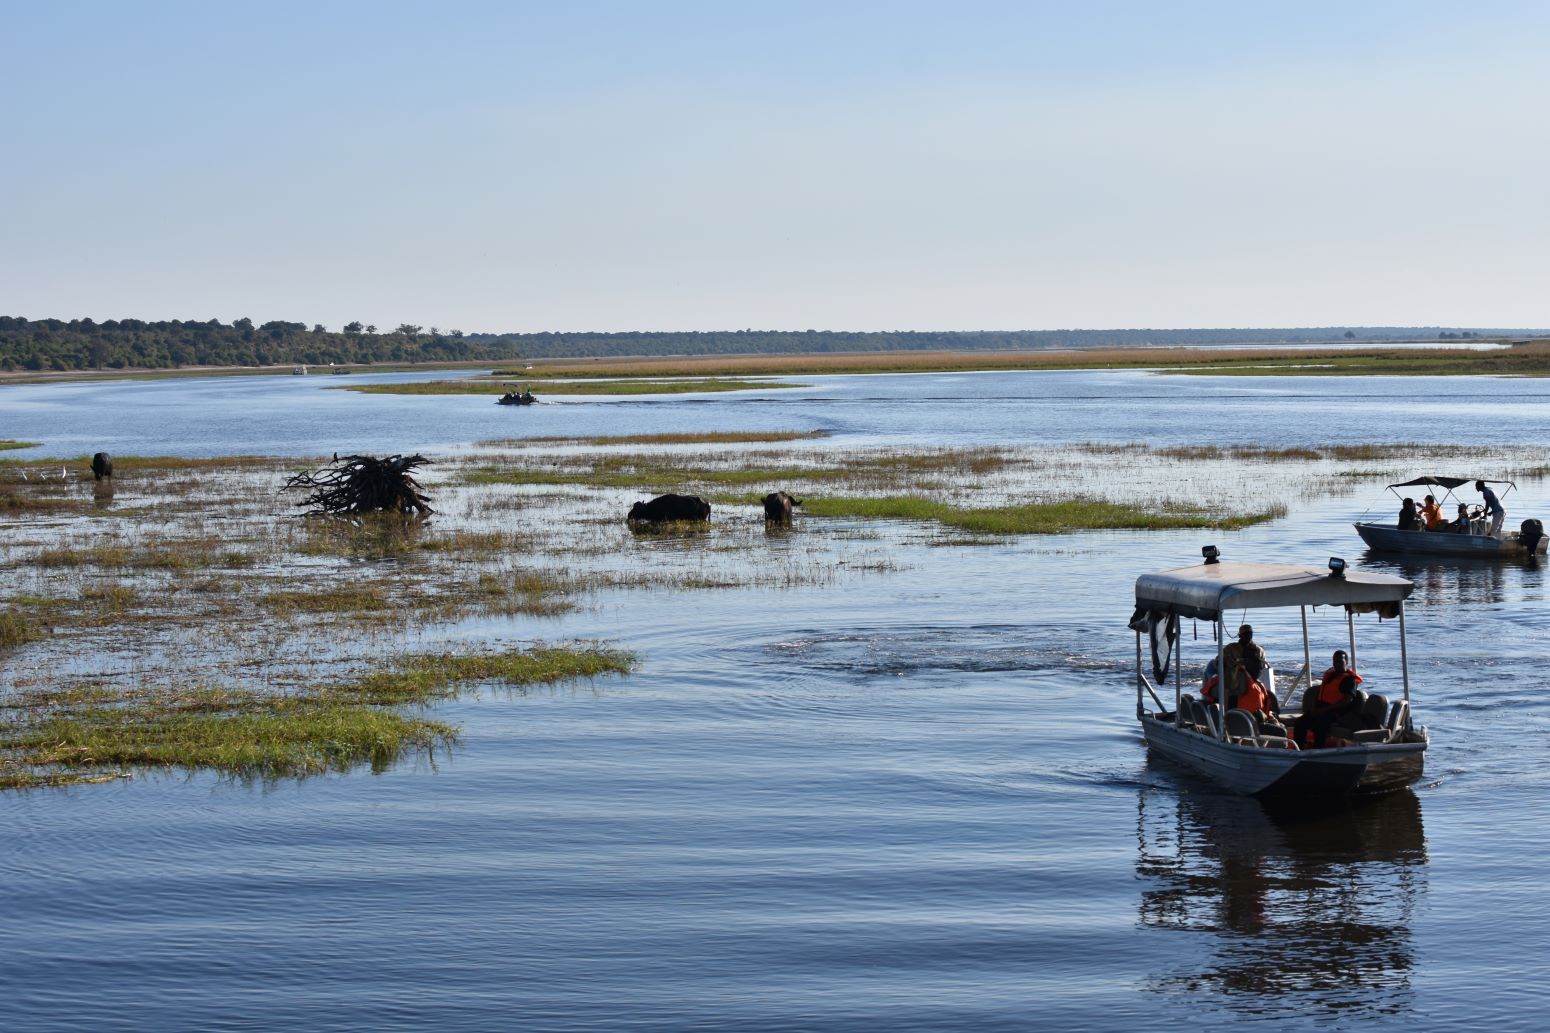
(1336, 567)
(1210, 552)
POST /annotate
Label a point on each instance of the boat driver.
(1493, 508)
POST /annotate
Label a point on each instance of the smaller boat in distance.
(299, 371)
(1450, 540)
(1387, 752)
(515, 398)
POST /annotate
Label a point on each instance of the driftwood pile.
(363, 484)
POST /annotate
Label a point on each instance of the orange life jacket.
(1253, 698)
(1329, 690)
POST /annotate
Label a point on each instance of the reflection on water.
(1308, 912)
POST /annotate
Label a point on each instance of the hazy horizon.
(607, 167)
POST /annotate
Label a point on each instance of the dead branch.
(363, 484)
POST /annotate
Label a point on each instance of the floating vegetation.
(84, 733)
(8, 445)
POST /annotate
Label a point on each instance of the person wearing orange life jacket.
(1256, 699)
(1335, 696)
(1431, 513)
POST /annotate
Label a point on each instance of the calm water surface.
(912, 800)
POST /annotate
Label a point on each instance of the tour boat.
(1528, 540)
(1386, 753)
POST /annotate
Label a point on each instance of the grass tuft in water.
(54, 736)
(6, 446)
(17, 629)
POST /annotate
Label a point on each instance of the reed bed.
(7, 445)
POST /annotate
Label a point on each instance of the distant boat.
(299, 371)
(1528, 540)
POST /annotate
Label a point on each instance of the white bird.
(24, 474)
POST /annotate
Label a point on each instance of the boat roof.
(1450, 483)
(1207, 589)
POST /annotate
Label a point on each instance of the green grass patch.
(1032, 518)
(16, 628)
(65, 735)
(6, 446)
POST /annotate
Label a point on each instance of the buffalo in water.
(101, 465)
(777, 507)
(670, 507)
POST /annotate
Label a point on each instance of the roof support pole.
(1404, 655)
(1307, 657)
(1139, 708)
(1178, 673)
(1350, 628)
(1221, 678)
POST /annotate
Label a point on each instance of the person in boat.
(1461, 525)
(1322, 707)
(1431, 513)
(1260, 704)
(1245, 661)
(1409, 519)
(1493, 508)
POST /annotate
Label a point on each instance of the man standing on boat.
(1493, 509)
(1240, 657)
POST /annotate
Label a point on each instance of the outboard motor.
(1530, 534)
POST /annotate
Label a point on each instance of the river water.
(909, 800)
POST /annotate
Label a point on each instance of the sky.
(668, 165)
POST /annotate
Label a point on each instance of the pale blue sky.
(566, 166)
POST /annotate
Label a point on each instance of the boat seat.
(1211, 717)
(1244, 730)
(1241, 728)
(1399, 719)
(1186, 714)
(1373, 726)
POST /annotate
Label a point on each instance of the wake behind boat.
(1377, 749)
(1464, 536)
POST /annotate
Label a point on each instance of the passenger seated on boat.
(1258, 703)
(1461, 525)
(1409, 520)
(1335, 697)
(1431, 513)
(1243, 659)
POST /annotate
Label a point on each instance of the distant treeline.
(50, 344)
(54, 344)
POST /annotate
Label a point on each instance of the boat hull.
(1269, 773)
(1386, 538)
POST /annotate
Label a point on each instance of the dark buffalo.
(777, 506)
(670, 507)
(102, 465)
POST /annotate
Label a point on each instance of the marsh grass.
(59, 735)
(1257, 360)
(589, 387)
(373, 536)
(17, 628)
(8, 445)
(338, 600)
(1034, 518)
(706, 438)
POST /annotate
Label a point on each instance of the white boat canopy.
(1208, 589)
